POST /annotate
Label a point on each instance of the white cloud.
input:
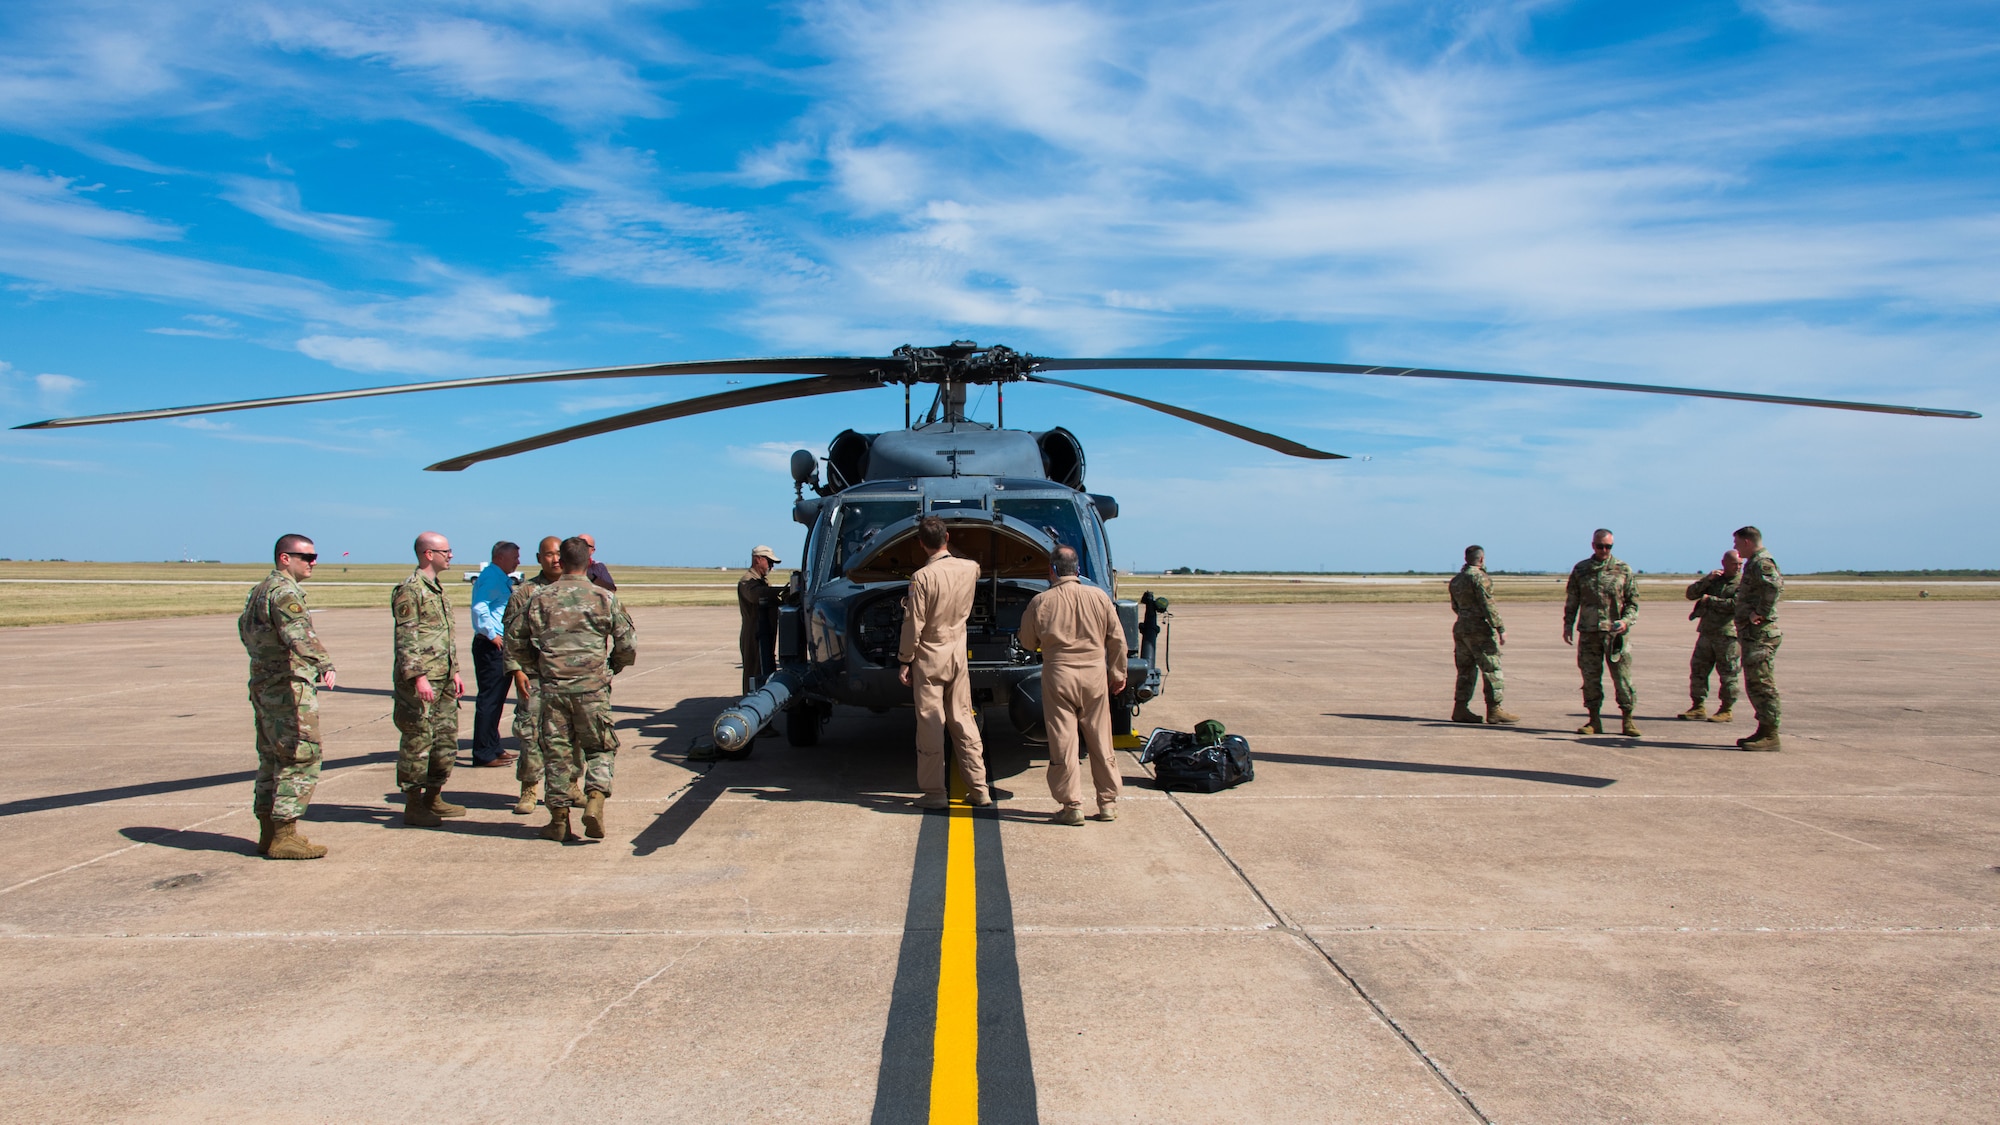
(770, 456)
(478, 59)
(277, 203)
(370, 353)
(57, 386)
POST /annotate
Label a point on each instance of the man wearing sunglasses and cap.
(757, 600)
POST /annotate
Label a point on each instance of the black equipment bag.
(1180, 762)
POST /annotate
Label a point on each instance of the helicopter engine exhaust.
(735, 727)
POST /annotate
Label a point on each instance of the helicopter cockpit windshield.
(858, 521)
(1055, 517)
(1008, 549)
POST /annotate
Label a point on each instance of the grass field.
(57, 593)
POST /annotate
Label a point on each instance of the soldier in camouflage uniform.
(286, 656)
(1757, 631)
(527, 693)
(1476, 638)
(572, 637)
(1603, 604)
(427, 687)
(1714, 598)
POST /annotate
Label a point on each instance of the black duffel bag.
(1205, 764)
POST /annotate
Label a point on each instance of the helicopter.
(1008, 498)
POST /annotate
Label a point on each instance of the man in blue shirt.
(490, 592)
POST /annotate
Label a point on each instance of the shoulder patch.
(293, 607)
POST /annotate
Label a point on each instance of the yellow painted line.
(955, 1048)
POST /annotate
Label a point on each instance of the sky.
(202, 202)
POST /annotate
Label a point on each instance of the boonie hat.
(1208, 732)
(762, 551)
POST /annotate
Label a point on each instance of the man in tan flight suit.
(1083, 665)
(932, 654)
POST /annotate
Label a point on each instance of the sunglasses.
(1600, 546)
(304, 556)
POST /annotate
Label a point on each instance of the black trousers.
(489, 664)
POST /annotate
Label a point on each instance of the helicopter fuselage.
(841, 622)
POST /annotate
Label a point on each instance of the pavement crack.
(1806, 824)
(115, 852)
(620, 1002)
(1305, 939)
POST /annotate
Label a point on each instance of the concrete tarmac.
(1400, 919)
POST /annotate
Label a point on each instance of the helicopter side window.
(859, 520)
(1057, 519)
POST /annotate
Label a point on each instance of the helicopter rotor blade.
(801, 365)
(741, 396)
(1255, 437)
(1480, 377)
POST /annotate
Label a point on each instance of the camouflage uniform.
(1475, 636)
(1758, 597)
(527, 710)
(1602, 593)
(286, 657)
(424, 647)
(561, 638)
(1715, 643)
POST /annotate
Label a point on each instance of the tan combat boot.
(1594, 725)
(557, 828)
(264, 832)
(1695, 713)
(1631, 729)
(417, 809)
(529, 794)
(1496, 714)
(593, 815)
(1762, 740)
(1721, 716)
(1108, 811)
(438, 805)
(1460, 713)
(1070, 815)
(576, 792)
(286, 843)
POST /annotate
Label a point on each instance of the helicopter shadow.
(187, 841)
(864, 759)
(175, 785)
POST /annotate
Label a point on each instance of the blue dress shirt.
(490, 592)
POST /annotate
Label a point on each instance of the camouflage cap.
(761, 551)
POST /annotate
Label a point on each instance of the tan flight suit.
(1083, 651)
(933, 645)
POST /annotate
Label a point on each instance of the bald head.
(1064, 562)
(433, 552)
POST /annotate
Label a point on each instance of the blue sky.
(203, 202)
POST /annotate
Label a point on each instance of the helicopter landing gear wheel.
(803, 723)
